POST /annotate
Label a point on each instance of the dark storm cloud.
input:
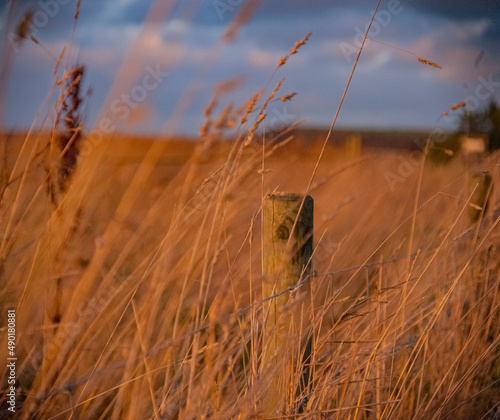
(465, 10)
(299, 9)
(458, 9)
(493, 32)
(219, 12)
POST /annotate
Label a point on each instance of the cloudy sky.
(153, 66)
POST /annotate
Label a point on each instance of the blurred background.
(190, 48)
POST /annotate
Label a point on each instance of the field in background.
(138, 292)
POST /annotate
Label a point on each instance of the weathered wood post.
(287, 250)
(353, 146)
(480, 186)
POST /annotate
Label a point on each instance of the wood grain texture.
(287, 250)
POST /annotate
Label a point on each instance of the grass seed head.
(429, 63)
(222, 121)
(69, 121)
(250, 107)
(300, 43)
(23, 28)
(288, 97)
(457, 106)
(210, 107)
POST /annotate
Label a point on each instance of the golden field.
(135, 278)
(138, 289)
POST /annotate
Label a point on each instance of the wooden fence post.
(481, 183)
(286, 260)
(353, 146)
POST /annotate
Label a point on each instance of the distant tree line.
(485, 121)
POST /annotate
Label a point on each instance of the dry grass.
(138, 292)
(152, 290)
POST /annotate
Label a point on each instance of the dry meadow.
(134, 266)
